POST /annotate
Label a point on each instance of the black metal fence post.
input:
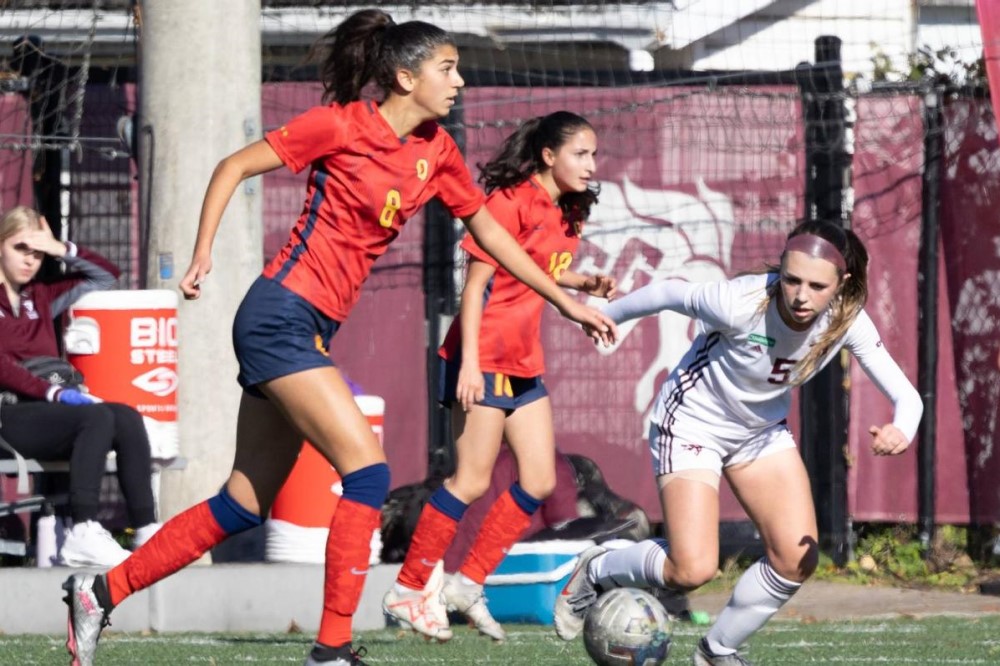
(440, 304)
(927, 288)
(824, 400)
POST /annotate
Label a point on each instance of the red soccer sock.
(502, 527)
(347, 551)
(182, 540)
(434, 533)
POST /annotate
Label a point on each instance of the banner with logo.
(697, 185)
(970, 192)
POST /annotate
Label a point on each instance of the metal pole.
(927, 286)
(441, 305)
(823, 401)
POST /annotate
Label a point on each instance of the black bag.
(52, 369)
(400, 514)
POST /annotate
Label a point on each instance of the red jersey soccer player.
(372, 166)
(541, 192)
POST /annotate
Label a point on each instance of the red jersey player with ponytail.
(372, 166)
(541, 191)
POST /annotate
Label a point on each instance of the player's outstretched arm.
(253, 160)
(599, 285)
(866, 344)
(500, 245)
(654, 297)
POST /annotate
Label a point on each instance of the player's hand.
(601, 286)
(597, 325)
(471, 387)
(190, 284)
(888, 440)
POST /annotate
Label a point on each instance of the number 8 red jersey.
(364, 184)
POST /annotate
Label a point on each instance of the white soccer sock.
(758, 595)
(640, 565)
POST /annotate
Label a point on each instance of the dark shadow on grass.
(300, 639)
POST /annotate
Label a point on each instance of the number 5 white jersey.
(738, 373)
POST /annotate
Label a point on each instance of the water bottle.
(47, 541)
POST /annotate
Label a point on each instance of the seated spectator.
(49, 421)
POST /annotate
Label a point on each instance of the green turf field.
(934, 642)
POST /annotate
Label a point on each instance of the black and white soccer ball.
(627, 626)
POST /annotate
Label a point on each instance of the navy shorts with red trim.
(276, 332)
(502, 391)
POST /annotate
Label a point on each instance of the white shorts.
(677, 448)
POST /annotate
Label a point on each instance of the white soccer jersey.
(737, 375)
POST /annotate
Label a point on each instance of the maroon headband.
(817, 246)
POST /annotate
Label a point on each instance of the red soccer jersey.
(365, 183)
(510, 333)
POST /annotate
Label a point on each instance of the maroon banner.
(970, 192)
(696, 185)
(15, 162)
(887, 168)
(702, 185)
(989, 24)
(381, 347)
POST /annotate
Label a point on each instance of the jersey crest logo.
(423, 169)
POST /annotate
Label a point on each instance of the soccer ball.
(627, 626)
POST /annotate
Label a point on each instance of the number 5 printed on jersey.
(781, 372)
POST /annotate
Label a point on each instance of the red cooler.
(125, 344)
(300, 517)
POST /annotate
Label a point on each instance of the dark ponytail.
(370, 47)
(520, 157)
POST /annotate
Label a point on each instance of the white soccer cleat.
(86, 619)
(468, 600)
(704, 657)
(421, 610)
(88, 544)
(576, 597)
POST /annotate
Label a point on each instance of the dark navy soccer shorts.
(502, 391)
(276, 333)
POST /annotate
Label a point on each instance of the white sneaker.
(421, 610)
(576, 597)
(88, 544)
(144, 534)
(467, 598)
(86, 619)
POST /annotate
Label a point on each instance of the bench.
(9, 466)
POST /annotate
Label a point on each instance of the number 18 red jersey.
(510, 333)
